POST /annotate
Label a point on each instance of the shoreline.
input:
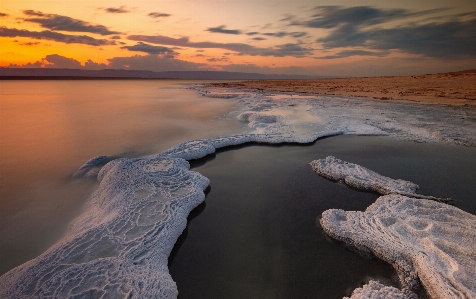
(458, 89)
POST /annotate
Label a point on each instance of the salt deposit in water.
(424, 240)
(362, 178)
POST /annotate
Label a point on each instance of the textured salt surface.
(376, 290)
(118, 247)
(362, 178)
(424, 240)
(403, 120)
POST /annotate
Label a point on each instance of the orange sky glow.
(305, 37)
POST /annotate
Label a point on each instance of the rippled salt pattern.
(425, 241)
(119, 246)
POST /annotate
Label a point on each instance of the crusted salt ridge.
(424, 240)
(119, 246)
(362, 178)
(376, 290)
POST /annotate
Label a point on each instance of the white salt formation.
(362, 178)
(424, 240)
(376, 290)
(119, 246)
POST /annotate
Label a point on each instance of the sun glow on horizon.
(261, 36)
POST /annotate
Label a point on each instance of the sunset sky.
(306, 37)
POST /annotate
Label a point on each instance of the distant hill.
(55, 74)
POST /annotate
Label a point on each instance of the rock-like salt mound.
(424, 240)
(362, 178)
(376, 290)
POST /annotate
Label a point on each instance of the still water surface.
(257, 233)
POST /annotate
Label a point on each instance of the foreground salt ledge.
(376, 290)
(422, 239)
(119, 246)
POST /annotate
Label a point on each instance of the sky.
(302, 37)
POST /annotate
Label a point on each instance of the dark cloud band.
(221, 29)
(121, 9)
(64, 23)
(142, 47)
(55, 36)
(158, 15)
(289, 49)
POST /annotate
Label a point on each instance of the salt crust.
(362, 178)
(376, 290)
(118, 247)
(424, 240)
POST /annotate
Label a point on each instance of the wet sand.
(458, 88)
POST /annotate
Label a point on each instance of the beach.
(458, 88)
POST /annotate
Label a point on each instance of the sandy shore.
(457, 88)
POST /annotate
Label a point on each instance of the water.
(257, 235)
(50, 128)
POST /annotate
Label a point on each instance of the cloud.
(55, 36)
(3, 15)
(252, 33)
(334, 16)
(448, 39)
(221, 29)
(276, 34)
(348, 53)
(298, 34)
(159, 15)
(59, 61)
(147, 62)
(253, 68)
(30, 44)
(259, 38)
(146, 48)
(121, 9)
(283, 34)
(152, 63)
(294, 50)
(64, 23)
(223, 59)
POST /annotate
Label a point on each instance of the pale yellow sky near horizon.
(300, 37)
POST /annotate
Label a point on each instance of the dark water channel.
(257, 235)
